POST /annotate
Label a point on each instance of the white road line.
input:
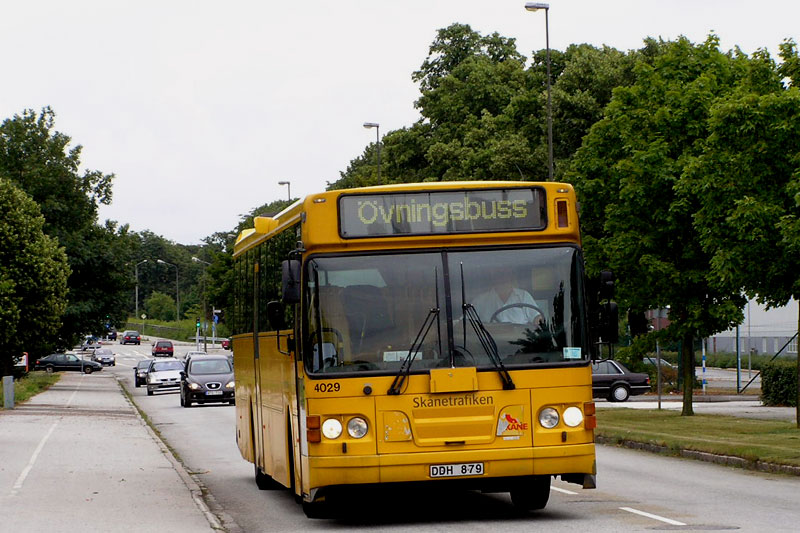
(563, 491)
(653, 516)
(27, 470)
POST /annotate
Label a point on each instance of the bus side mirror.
(275, 315)
(290, 281)
(609, 323)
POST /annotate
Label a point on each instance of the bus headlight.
(573, 416)
(548, 418)
(357, 427)
(331, 428)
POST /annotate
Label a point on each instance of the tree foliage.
(40, 161)
(33, 279)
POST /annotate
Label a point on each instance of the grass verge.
(768, 441)
(30, 385)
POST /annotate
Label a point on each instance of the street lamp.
(136, 269)
(288, 192)
(177, 294)
(205, 314)
(536, 6)
(377, 127)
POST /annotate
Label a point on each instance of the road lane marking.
(563, 491)
(27, 470)
(653, 516)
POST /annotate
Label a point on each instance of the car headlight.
(573, 416)
(548, 418)
(231, 384)
(194, 386)
(357, 427)
(331, 428)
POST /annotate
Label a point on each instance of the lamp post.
(536, 6)
(370, 125)
(288, 193)
(136, 269)
(205, 314)
(177, 294)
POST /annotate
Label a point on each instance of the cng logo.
(511, 422)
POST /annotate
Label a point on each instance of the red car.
(226, 344)
(163, 349)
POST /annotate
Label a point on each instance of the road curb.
(726, 460)
(217, 518)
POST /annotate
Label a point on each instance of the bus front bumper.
(415, 467)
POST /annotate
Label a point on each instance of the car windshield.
(143, 364)
(515, 307)
(161, 366)
(210, 366)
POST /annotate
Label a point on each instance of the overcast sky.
(200, 108)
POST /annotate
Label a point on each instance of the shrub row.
(779, 383)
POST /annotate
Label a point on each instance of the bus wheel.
(532, 495)
(316, 509)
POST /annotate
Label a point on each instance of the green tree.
(33, 279)
(748, 182)
(40, 161)
(160, 306)
(636, 217)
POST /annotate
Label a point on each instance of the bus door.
(258, 422)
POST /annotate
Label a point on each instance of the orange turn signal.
(588, 409)
(590, 422)
(313, 433)
(561, 214)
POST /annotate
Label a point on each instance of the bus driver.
(504, 302)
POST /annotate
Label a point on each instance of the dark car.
(610, 379)
(130, 337)
(163, 349)
(66, 361)
(207, 379)
(226, 344)
(140, 372)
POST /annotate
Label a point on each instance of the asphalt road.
(637, 491)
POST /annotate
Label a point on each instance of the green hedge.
(779, 383)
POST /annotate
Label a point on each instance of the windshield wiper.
(485, 338)
(405, 368)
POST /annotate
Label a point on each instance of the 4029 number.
(327, 387)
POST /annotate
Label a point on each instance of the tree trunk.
(687, 361)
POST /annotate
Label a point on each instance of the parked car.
(610, 379)
(105, 356)
(140, 372)
(226, 344)
(163, 374)
(163, 349)
(66, 361)
(191, 353)
(664, 363)
(207, 379)
(130, 337)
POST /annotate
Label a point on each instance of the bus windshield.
(523, 307)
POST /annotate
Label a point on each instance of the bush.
(779, 383)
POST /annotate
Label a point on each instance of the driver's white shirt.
(489, 302)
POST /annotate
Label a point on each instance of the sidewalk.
(79, 458)
(730, 405)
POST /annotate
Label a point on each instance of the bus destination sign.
(441, 212)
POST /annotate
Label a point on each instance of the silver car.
(164, 374)
(105, 356)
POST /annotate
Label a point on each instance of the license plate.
(214, 393)
(459, 469)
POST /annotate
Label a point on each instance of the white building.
(762, 331)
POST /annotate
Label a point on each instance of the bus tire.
(316, 509)
(531, 495)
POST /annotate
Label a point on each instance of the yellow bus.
(432, 332)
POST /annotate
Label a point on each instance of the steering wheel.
(513, 306)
